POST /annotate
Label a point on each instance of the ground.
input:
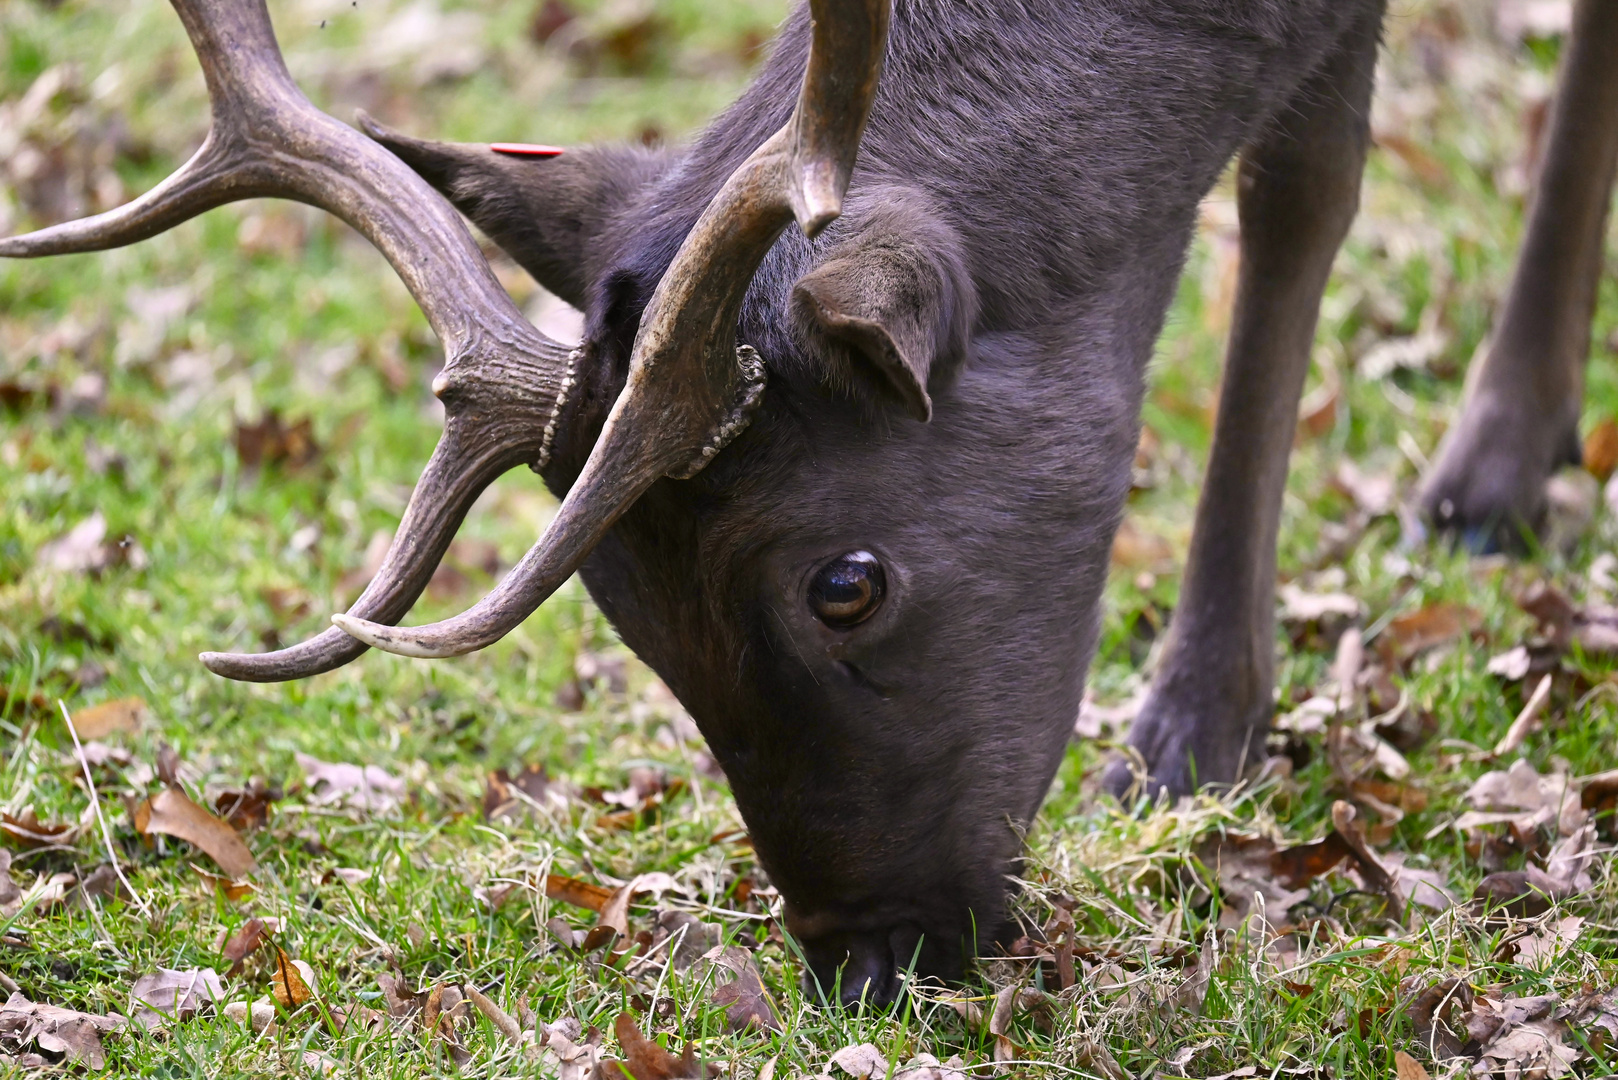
(203, 435)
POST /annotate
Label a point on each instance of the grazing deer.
(850, 489)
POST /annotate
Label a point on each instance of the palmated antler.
(690, 388)
(503, 383)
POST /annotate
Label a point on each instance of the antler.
(690, 388)
(503, 383)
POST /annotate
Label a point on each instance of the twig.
(1518, 731)
(7, 985)
(95, 801)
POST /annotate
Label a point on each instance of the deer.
(850, 488)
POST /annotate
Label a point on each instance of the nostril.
(856, 967)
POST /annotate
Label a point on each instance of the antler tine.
(690, 388)
(503, 382)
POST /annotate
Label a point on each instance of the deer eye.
(847, 590)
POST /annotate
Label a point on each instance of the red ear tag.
(522, 149)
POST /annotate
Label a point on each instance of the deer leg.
(1210, 703)
(1520, 421)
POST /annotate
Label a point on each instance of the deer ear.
(890, 307)
(546, 214)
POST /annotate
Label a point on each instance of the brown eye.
(847, 590)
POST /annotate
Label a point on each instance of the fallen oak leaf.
(168, 994)
(368, 787)
(403, 1002)
(862, 1060)
(644, 1059)
(615, 912)
(246, 808)
(172, 813)
(242, 944)
(1000, 1024)
(1522, 894)
(1437, 1013)
(168, 765)
(1530, 1041)
(745, 1000)
(1372, 869)
(1426, 628)
(1526, 800)
(289, 985)
(56, 1030)
(579, 893)
(123, 716)
(575, 1060)
(233, 891)
(26, 830)
(1406, 1067)
(505, 796)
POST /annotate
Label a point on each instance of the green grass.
(237, 558)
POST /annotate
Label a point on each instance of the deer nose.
(856, 967)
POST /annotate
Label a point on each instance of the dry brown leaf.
(1373, 493)
(259, 1016)
(10, 895)
(503, 1021)
(506, 796)
(84, 549)
(403, 1002)
(26, 830)
(172, 813)
(1005, 1002)
(644, 1059)
(246, 808)
(1344, 819)
(1301, 606)
(745, 1000)
(1522, 894)
(367, 787)
(1440, 1015)
(1530, 1041)
(1247, 879)
(1537, 949)
(927, 1067)
(1427, 628)
(575, 1060)
(861, 1061)
(1521, 797)
(242, 944)
(234, 891)
(582, 894)
(1408, 1068)
(290, 984)
(56, 1030)
(167, 994)
(1601, 449)
(615, 912)
(1598, 797)
(272, 442)
(123, 716)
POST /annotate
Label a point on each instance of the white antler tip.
(387, 638)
